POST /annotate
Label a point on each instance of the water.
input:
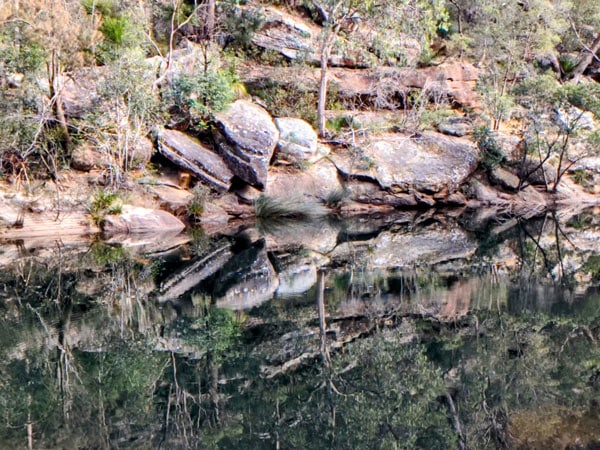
(412, 331)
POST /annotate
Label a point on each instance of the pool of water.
(406, 331)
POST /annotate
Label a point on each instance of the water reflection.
(391, 332)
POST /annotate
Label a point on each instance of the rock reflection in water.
(436, 334)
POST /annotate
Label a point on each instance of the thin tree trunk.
(325, 51)
(587, 57)
(210, 20)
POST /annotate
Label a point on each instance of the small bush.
(336, 197)
(195, 207)
(338, 123)
(491, 155)
(103, 204)
(198, 96)
(267, 207)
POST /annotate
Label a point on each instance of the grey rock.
(505, 179)
(317, 183)
(402, 164)
(246, 139)
(286, 35)
(297, 138)
(191, 155)
(456, 126)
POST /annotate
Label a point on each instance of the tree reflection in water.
(398, 336)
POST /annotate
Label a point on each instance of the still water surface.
(399, 332)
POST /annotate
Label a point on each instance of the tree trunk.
(325, 50)
(210, 20)
(55, 98)
(587, 57)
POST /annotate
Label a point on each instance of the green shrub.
(195, 207)
(338, 123)
(567, 63)
(198, 96)
(103, 204)
(491, 154)
(115, 29)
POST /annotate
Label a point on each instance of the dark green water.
(397, 332)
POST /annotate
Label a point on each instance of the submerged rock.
(246, 139)
(431, 245)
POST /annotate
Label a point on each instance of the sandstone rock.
(246, 139)
(191, 155)
(79, 92)
(171, 199)
(287, 35)
(317, 183)
(85, 158)
(135, 219)
(372, 194)
(535, 175)
(399, 163)
(456, 126)
(455, 199)
(505, 179)
(142, 153)
(297, 139)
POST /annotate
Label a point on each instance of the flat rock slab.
(246, 139)
(134, 219)
(429, 164)
(191, 155)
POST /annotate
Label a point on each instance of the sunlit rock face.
(134, 219)
(247, 280)
(246, 138)
(411, 170)
(191, 155)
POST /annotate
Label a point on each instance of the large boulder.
(505, 179)
(430, 164)
(246, 138)
(287, 35)
(317, 183)
(297, 139)
(134, 219)
(85, 157)
(191, 155)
